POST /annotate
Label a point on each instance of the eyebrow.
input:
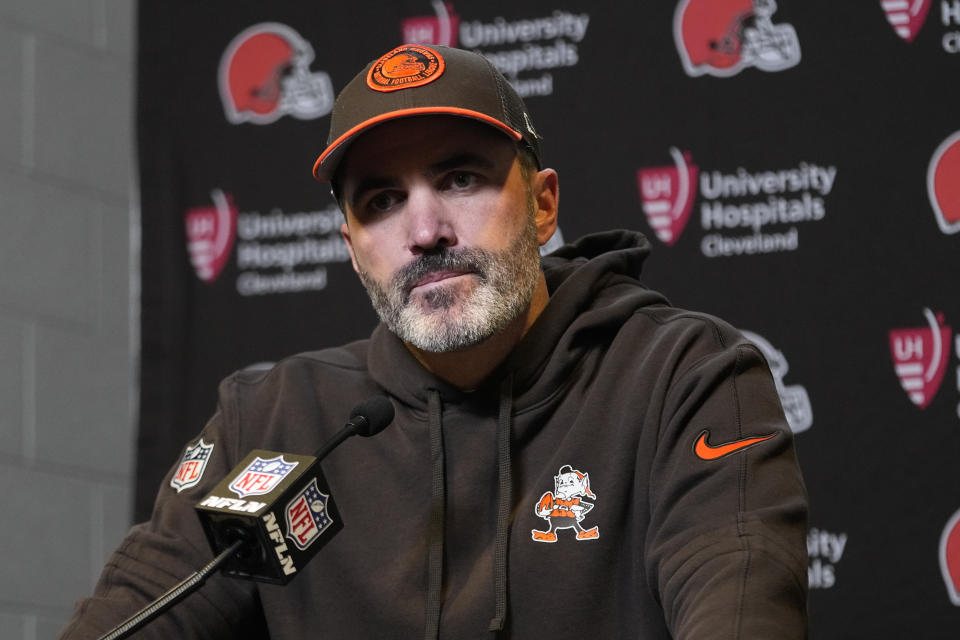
(457, 160)
(465, 159)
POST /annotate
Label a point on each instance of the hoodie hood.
(594, 285)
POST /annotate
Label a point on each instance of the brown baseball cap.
(416, 80)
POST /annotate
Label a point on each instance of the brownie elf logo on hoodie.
(920, 358)
(906, 16)
(943, 184)
(950, 557)
(192, 465)
(564, 507)
(667, 194)
(210, 235)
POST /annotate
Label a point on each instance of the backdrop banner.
(796, 166)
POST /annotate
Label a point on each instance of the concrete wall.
(67, 301)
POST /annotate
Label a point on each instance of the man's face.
(441, 228)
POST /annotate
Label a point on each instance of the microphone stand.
(171, 597)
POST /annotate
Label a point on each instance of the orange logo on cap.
(409, 65)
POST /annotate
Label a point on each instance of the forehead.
(406, 143)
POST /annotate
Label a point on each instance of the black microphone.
(247, 536)
(279, 504)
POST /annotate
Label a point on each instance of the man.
(677, 508)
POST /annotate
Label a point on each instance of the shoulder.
(679, 340)
(346, 359)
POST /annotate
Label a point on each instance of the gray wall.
(67, 341)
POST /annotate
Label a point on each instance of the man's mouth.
(438, 276)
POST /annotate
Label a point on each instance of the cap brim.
(326, 164)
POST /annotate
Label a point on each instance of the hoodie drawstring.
(504, 504)
(437, 511)
(437, 517)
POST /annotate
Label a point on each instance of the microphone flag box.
(280, 504)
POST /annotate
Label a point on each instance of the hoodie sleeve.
(726, 550)
(158, 554)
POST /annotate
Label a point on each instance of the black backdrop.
(802, 171)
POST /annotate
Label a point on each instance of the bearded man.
(502, 368)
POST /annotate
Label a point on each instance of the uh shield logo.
(920, 358)
(440, 28)
(210, 235)
(667, 195)
(723, 37)
(906, 16)
(950, 557)
(943, 184)
(265, 74)
(261, 476)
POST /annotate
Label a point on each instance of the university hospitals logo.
(527, 50)
(307, 516)
(192, 465)
(906, 16)
(440, 28)
(920, 358)
(277, 252)
(265, 74)
(722, 37)
(210, 235)
(742, 212)
(943, 184)
(261, 476)
(950, 557)
(667, 195)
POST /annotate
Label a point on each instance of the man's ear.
(345, 232)
(546, 198)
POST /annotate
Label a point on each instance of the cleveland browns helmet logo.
(265, 74)
(723, 37)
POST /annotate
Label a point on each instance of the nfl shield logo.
(667, 195)
(307, 516)
(192, 465)
(920, 358)
(210, 235)
(261, 476)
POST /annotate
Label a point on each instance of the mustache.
(466, 260)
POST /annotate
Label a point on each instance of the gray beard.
(445, 319)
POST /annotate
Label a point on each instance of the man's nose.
(430, 226)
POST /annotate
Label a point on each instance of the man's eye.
(381, 201)
(462, 179)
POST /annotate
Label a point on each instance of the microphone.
(247, 536)
(279, 504)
